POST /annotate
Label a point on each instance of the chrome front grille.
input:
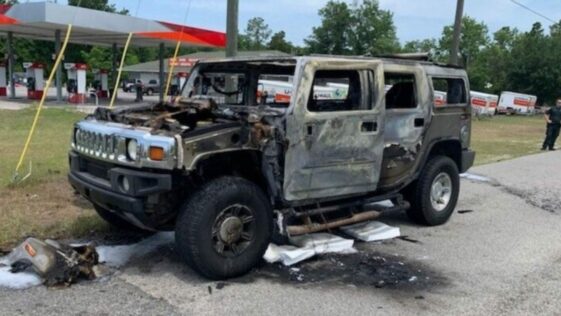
(97, 144)
(108, 142)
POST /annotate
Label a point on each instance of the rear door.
(335, 130)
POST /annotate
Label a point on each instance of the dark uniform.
(552, 128)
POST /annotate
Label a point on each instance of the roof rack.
(411, 56)
(408, 56)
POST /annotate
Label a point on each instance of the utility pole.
(455, 49)
(232, 29)
(231, 45)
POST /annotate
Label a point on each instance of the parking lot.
(499, 255)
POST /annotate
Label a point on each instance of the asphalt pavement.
(500, 254)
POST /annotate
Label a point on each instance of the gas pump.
(101, 83)
(3, 92)
(76, 84)
(35, 80)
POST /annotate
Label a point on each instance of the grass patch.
(47, 209)
(506, 137)
(43, 206)
(48, 148)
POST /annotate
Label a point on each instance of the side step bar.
(368, 211)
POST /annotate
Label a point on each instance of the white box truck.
(516, 103)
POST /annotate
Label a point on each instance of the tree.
(332, 36)
(372, 30)
(420, 46)
(257, 33)
(496, 59)
(278, 42)
(98, 58)
(474, 38)
(100, 5)
(533, 68)
(362, 29)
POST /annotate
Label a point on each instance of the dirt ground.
(49, 209)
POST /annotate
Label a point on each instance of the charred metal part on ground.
(57, 264)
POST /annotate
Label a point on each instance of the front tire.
(434, 195)
(224, 228)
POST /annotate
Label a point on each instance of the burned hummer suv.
(256, 149)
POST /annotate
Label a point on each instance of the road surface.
(500, 254)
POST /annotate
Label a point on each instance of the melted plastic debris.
(322, 242)
(118, 256)
(385, 203)
(286, 254)
(475, 177)
(371, 231)
(307, 246)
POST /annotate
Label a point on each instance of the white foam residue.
(18, 281)
(371, 231)
(117, 256)
(474, 177)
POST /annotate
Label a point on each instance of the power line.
(533, 11)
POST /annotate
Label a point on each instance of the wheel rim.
(441, 191)
(233, 230)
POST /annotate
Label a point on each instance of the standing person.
(139, 91)
(553, 119)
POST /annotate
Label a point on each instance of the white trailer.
(483, 103)
(281, 91)
(440, 98)
(516, 103)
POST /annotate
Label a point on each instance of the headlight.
(75, 139)
(132, 149)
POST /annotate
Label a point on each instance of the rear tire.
(224, 229)
(434, 195)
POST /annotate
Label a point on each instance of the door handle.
(309, 129)
(368, 127)
(419, 122)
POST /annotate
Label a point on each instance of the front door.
(335, 130)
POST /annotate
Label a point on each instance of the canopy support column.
(10, 50)
(59, 69)
(161, 72)
(114, 66)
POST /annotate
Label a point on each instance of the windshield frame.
(251, 70)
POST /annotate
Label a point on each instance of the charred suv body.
(238, 160)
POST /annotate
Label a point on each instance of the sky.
(414, 19)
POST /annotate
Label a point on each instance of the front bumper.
(468, 157)
(106, 189)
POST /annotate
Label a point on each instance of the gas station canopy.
(40, 20)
